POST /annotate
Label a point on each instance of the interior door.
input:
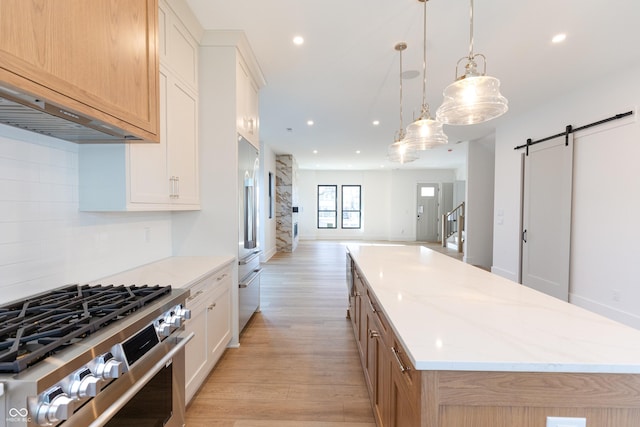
(427, 206)
(546, 217)
(446, 197)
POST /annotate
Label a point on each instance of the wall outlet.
(615, 295)
(566, 422)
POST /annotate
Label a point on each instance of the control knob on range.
(173, 319)
(54, 406)
(108, 367)
(184, 313)
(163, 328)
(83, 384)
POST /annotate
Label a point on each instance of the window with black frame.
(351, 206)
(327, 206)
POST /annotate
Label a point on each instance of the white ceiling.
(347, 72)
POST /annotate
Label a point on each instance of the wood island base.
(402, 396)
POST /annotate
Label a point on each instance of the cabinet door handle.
(174, 187)
(403, 367)
(212, 306)
(373, 308)
(373, 334)
(194, 296)
(177, 179)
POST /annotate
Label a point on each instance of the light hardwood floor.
(298, 364)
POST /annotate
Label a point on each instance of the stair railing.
(453, 223)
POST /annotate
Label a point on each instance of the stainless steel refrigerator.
(248, 245)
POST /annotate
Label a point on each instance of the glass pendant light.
(425, 132)
(399, 151)
(474, 97)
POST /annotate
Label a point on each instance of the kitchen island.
(446, 344)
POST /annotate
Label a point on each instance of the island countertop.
(453, 316)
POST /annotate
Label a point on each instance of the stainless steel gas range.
(94, 356)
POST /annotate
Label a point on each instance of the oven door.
(151, 393)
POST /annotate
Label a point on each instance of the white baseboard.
(504, 273)
(266, 255)
(612, 313)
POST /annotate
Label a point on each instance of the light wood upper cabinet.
(98, 58)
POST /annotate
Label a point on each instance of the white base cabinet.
(210, 305)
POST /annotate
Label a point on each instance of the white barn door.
(546, 217)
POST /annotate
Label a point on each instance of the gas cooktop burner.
(36, 327)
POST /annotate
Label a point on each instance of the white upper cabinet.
(246, 103)
(178, 49)
(152, 177)
(167, 174)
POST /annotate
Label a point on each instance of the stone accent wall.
(286, 199)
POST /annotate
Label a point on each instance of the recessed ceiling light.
(310, 122)
(559, 38)
(376, 122)
(298, 40)
(357, 151)
(315, 151)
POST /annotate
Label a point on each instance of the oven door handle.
(138, 385)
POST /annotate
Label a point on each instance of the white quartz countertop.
(452, 316)
(178, 272)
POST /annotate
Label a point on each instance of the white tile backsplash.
(45, 242)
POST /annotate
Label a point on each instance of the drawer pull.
(221, 277)
(194, 296)
(248, 280)
(212, 306)
(373, 334)
(396, 353)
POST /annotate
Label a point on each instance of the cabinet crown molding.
(237, 39)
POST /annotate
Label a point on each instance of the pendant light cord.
(471, 32)
(424, 61)
(400, 47)
(401, 126)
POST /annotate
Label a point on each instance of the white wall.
(479, 202)
(267, 228)
(604, 272)
(44, 241)
(388, 202)
(214, 229)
